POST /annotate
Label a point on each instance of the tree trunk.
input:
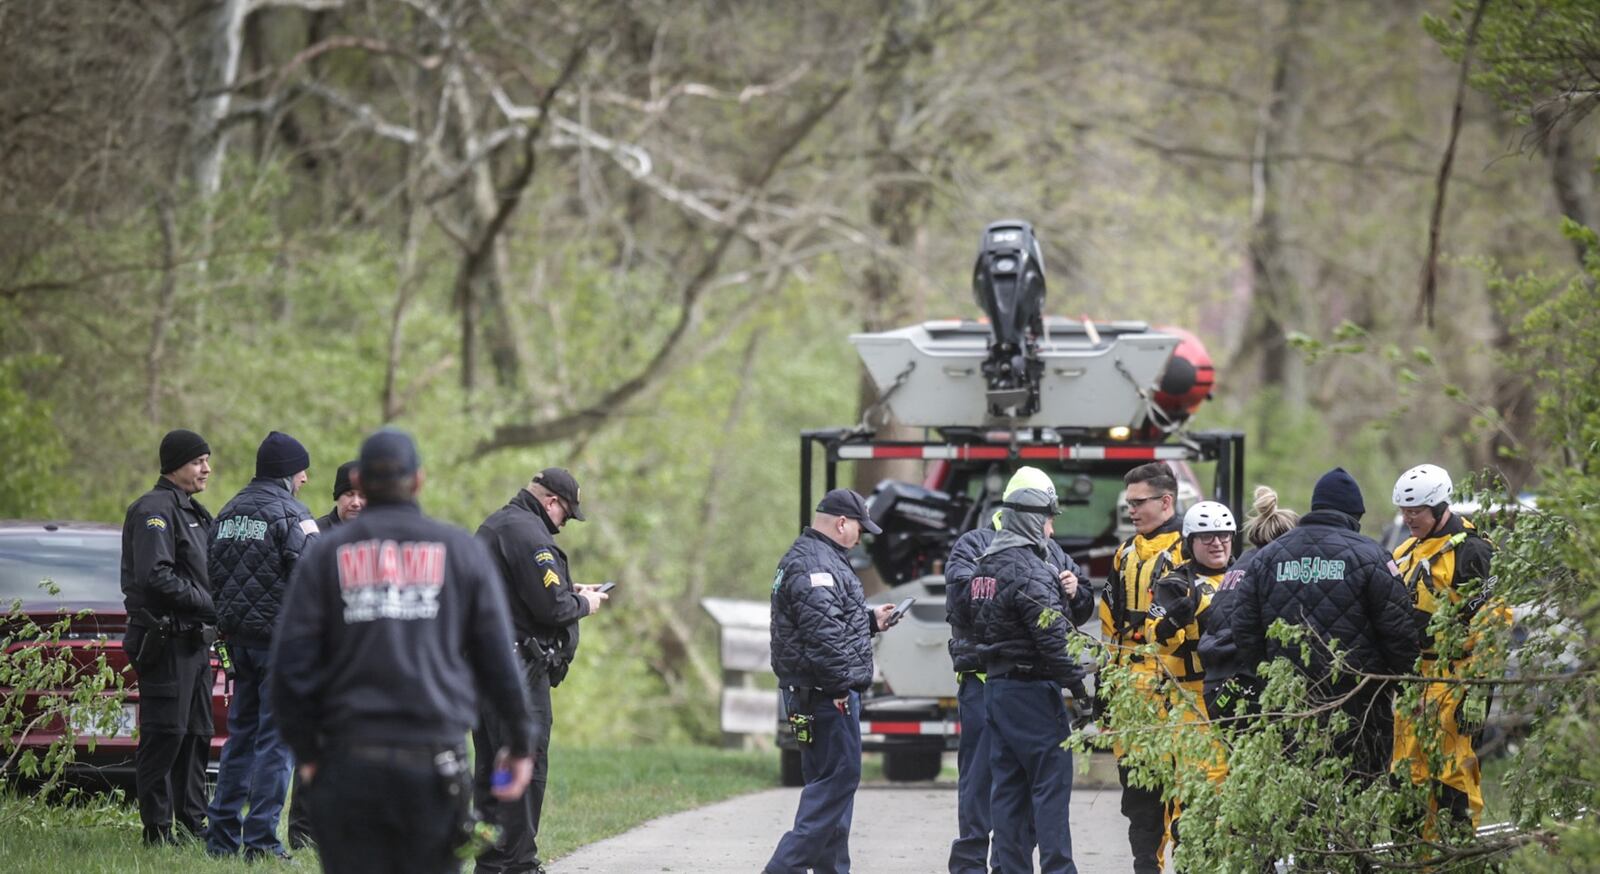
(896, 205)
(217, 49)
(1571, 166)
(1277, 301)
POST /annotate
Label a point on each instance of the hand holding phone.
(900, 610)
(606, 587)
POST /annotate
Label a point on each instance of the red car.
(84, 560)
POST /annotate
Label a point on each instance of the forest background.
(632, 239)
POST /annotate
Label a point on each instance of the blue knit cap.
(281, 456)
(1337, 490)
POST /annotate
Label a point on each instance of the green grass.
(593, 794)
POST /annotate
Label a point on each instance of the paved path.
(899, 829)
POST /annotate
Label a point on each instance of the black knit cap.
(341, 479)
(1338, 490)
(180, 447)
(388, 454)
(281, 456)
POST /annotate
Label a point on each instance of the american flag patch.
(1394, 568)
(821, 579)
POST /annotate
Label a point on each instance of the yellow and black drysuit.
(1179, 602)
(1124, 612)
(1450, 565)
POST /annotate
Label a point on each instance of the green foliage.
(50, 693)
(1530, 52)
(29, 441)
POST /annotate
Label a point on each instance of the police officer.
(255, 545)
(1021, 630)
(822, 653)
(1341, 586)
(545, 609)
(393, 627)
(171, 625)
(1444, 561)
(1179, 617)
(1154, 550)
(969, 853)
(347, 505)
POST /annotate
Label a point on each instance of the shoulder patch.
(777, 580)
(545, 557)
(1394, 568)
(309, 526)
(821, 578)
(550, 578)
(156, 522)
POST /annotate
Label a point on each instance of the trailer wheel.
(789, 768)
(912, 765)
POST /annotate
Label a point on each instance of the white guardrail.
(744, 645)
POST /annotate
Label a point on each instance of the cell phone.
(900, 610)
(606, 587)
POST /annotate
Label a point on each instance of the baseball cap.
(846, 503)
(562, 485)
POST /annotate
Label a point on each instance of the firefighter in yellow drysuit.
(1153, 552)
(1179, 602)
(1444, 560)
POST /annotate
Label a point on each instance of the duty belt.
(408, 755)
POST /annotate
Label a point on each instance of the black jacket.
(1324, 575)
(1018, 623)
(326, 523)
(520, 539)
(821, 627)
(393, 629)
(958, 572)
(1218, 653)
(164, 540)
(255, 544)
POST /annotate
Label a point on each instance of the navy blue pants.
(969, 853)
(831, 764)
(1032, 776)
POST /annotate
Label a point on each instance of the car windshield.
(83, 567)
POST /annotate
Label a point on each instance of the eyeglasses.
(1414, 512)
(1135, 503)
(566, 509)
(1209, 539)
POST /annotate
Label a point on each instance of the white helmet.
(1425, 485)
(1208, 517)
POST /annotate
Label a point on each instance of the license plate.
(121, 723)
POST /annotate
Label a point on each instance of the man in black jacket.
(258, 538)
(545, 609)
(171, 623)
(822, 653)
(1341, 587)
(347, 504)
(393, 627)
(969, 853)
(1021, 631)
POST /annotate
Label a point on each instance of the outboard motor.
(1008, 283)
(919, 525)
